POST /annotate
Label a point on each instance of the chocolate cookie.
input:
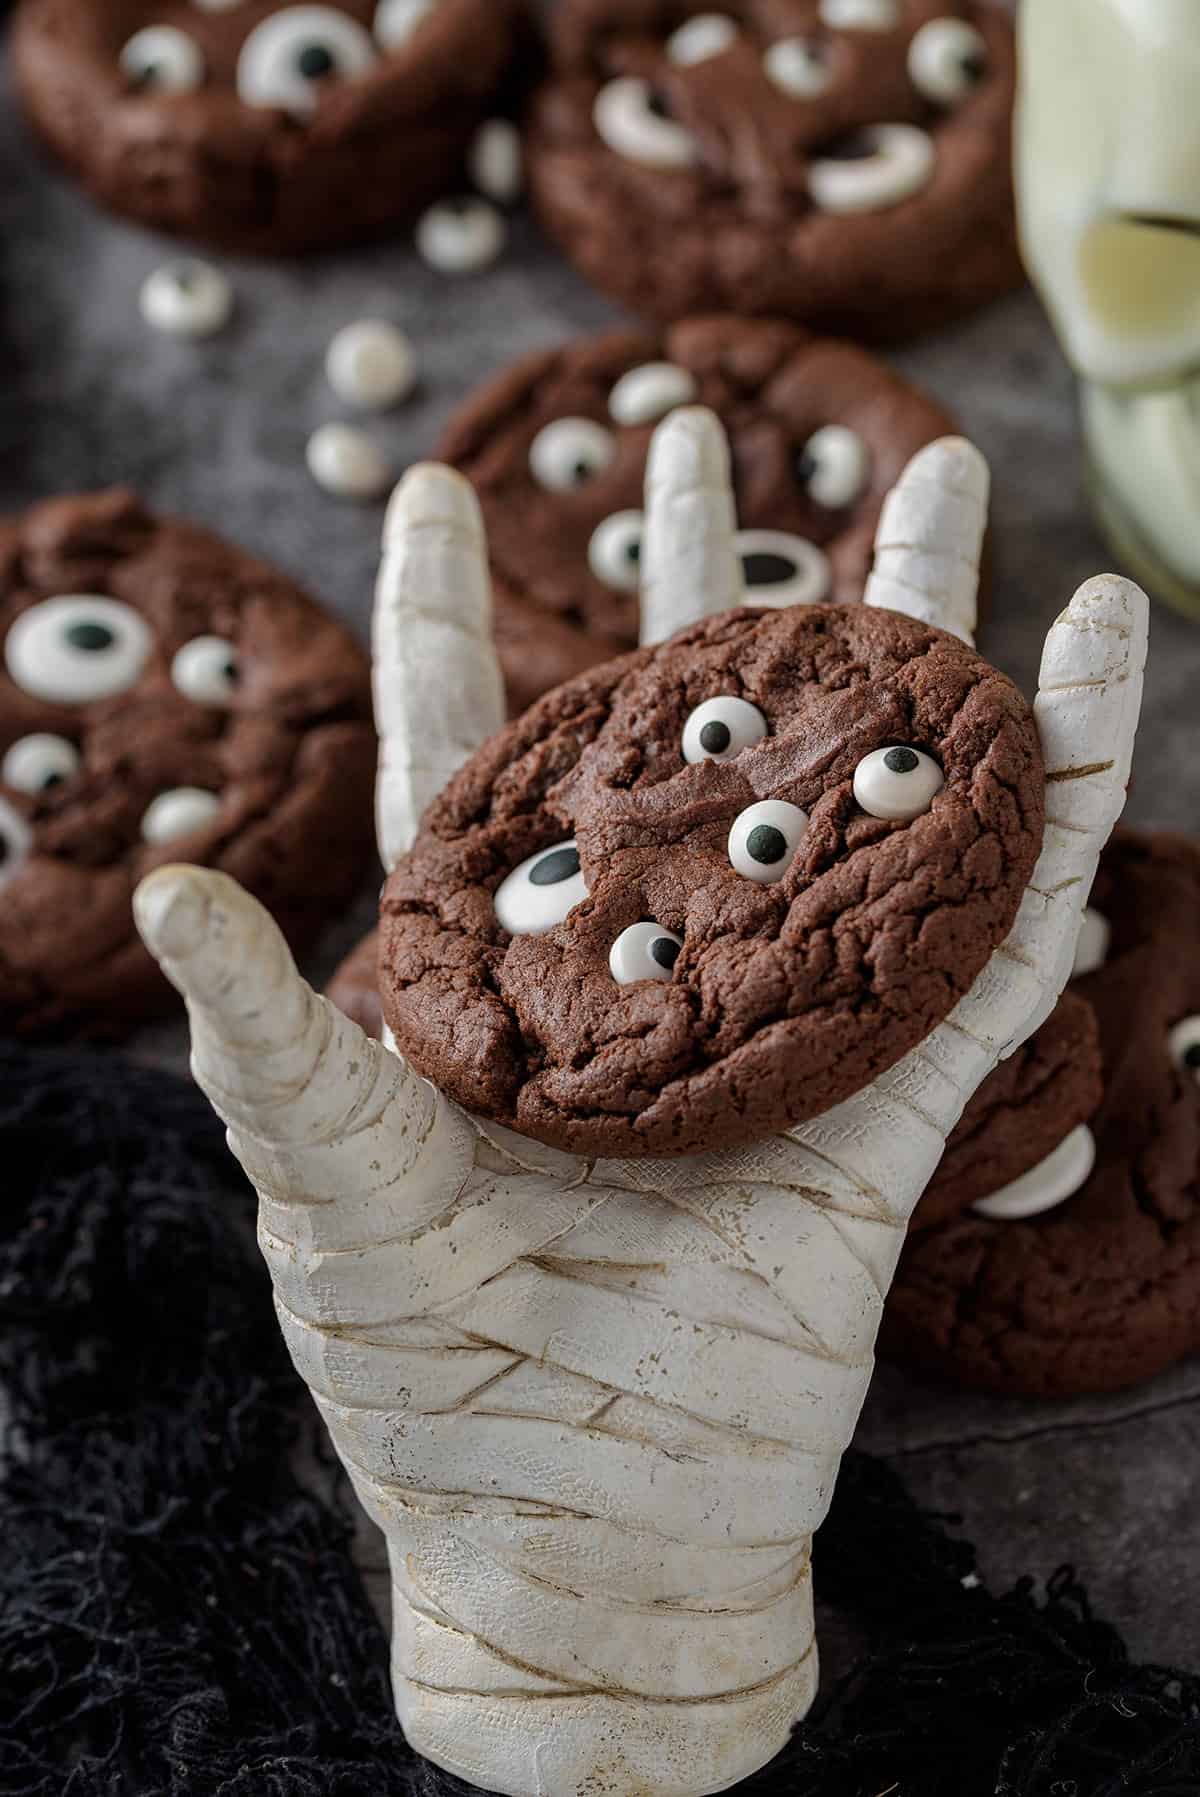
(844, 162)
(556, 448)
(1103, 1289)
(262, 127)
(163, 697)
(710, 889)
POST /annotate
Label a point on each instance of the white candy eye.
(396, 20)
(859, 15)
(897, 784)
(289, 56)
(186, 299)
(629, 116)
(645, 951)
(648, 393)
(721, 728)
(371, 364)
(347, 462)
(460, 236)
(206, 670)
(780, 569)
(1184, 1043)
(872, 169)
(946, 60)
(798, 67)
(162, 60)
(1091, 950)
(16, 840)
(570, 452)
(77, 648)
(1047, 1185)
(706, 35)
(834, 467)
(495, 161)
(615, 551)
(764, 840)
(36, 764)
(539, 894)
(183, 811)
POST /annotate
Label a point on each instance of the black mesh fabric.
(180, 1615)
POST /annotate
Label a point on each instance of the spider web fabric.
(180, 1613)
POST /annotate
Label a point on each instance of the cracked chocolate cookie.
(259, 127)
(710, 889)
(556, 448)
(843, 162)
(1099, 1287)
(163, 697)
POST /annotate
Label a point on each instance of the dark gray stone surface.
(89, 396)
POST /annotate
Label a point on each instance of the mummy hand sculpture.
(1107, 149)
(598, 1406)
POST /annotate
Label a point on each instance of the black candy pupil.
(657, 104)
(92, 638)
(766, 845)
(231, 672)
(633, 551)
(664, 951)
(974, 65)
(806, 467)
(51, 781)
(1191, 1056)
(764, 570)
(314, 62)
(581, 471)
(4, 849)
(901, 761)
(715, 738)
(855, 146)
(552, 869)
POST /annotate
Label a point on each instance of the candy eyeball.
(859, 15)
(396, 20)
(495, 161)
(541, 892)
(1091, 950)
(371, 364)
(182, 811)
(765, 838)
(947, 60)
(645, 951)
(869, 170)
(37, 764)
(615, 551)
(897, 784)
(460, 236)
(834, 467)
(1184, 1043)
(798, 68)
(162, 59)
(16, 840)
(186, 299)
(347, 462)
(290, 54)
(700, 38)
(630, 117)
(779, 569)
(721, 728)
(648, 393)
(570, 452)
(207, 670)
(77, 649)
